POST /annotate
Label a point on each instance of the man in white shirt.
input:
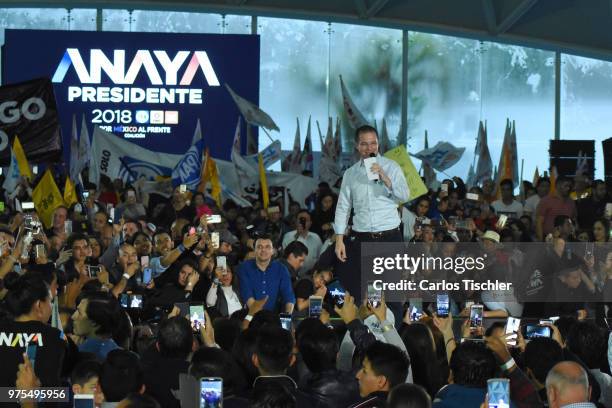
(303, 234)
(374, 202)
(508, 205)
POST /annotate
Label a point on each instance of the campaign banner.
(28, 110)
(148, 88)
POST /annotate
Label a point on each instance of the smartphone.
(211, 392)
(144, 261)
(608, 211)
(40, 250)
(476, 312)
(444, 187)
(147, 275)
(337, 292)
(415, 314)
(124, 300)
(196, 316)
(68, 226)
(192, 231)
(274, 209)
(533, 331)
(589, 249)
(136, 301)
(111, 215)
(472, 196)
(222, 262)
(442, 304)
(546, 321)
(183, 188)
(214, 237)
(315, 306)
(183, 308)
(461, 224)
(512, 326)
(374, 296)
(84, 401)
(27, 205)
(498, 392)
(85, 195)
(501, 221)
(94, 271)
(213, 219)
(31, 352)
(285, 319)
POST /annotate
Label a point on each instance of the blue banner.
(148, 88)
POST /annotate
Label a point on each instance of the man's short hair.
(273, 349)
(161, 231)
(265, 318)
(365, 129)
(389, 361)
(408, 396)
(214, 362)
(559, 220)
(472, 364)
(121, 375)
(319, 348)
(104, 310)
(295, 248)
(136, 400)
(589, 342)
(541, 354)
(85, 371)
(77, 236)
(175, 337)
(262, 237)
(559, 380)
(507, 182)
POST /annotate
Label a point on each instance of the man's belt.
(375, 235)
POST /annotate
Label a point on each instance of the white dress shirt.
(374, 204)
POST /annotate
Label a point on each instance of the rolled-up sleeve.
(343, 207)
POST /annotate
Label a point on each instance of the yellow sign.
(415, 184)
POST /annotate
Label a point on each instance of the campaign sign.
(149, 88)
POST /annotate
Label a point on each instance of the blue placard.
(149, 88)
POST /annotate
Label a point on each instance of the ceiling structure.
(581, 27)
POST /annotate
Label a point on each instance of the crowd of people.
(140, 300)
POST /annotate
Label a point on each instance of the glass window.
(586, 102)
(115, 20)
(175, 22)
(83, 19)
(370, 62)
(237, 25)
(292, 77)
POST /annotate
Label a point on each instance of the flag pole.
(267, 134)
(522, 189)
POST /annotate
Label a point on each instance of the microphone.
(377, 178)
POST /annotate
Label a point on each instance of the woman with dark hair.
(601, 230)
(324, 213)
(420, 344)
(416, 216)
(96, 319)
(224, 293)
(28, 301)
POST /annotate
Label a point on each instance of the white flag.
(84, 147)
(74, 152)
(292, 161)
(353, 114)
(251, 112)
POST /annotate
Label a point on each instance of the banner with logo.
(149, 88)
(28, 110)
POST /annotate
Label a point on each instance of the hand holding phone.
(196, 316)
(442, 305)
(476, 314)
(498, 392)
(315, 305)
(374, 296)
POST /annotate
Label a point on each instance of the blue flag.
(189, 168)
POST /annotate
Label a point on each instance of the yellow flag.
(414, 181)
(264, 182)
(22, 161)
(70, 196)
(47, 198)
(210, 173)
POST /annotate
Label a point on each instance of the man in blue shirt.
(261, 277)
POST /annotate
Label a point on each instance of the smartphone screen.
(196, 316)
(40, 250)
(27, 205)
(147, 275)
(222, 262)
(192, 231)
(136, 301)
(512, 326)
(442, 305)
(111, 217)
(213, 219)
(211, 392)
(374, 296)
(476, 312)
(31, 352)
(68, 227)
(285, 319)
(124, 300)
(472, 196)
(315, 306)
(533, 331)
(85, 194)
(93, 271)
(444, 187)
(337, 292)
(498, 391)
(415, 314)
(84, 401)
(214, 237)
(183, 188)
(144, 261)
